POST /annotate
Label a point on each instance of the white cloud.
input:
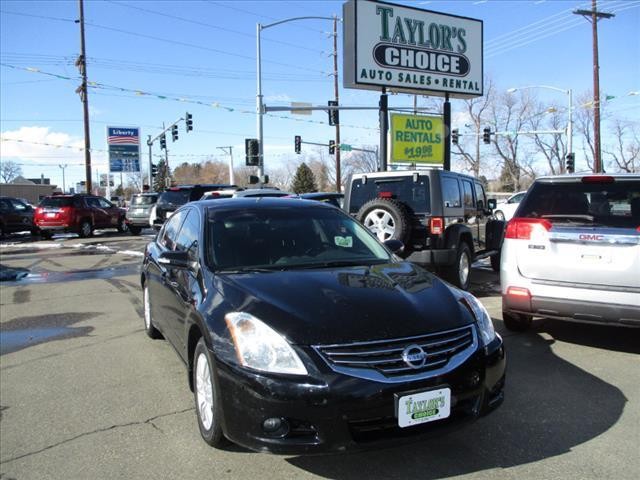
(35, 144)
(279, 97)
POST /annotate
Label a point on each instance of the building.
(32, 192)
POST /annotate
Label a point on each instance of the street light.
(570, 122)
(259, 104)
(64, 186)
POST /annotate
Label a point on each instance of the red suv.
(78, 213)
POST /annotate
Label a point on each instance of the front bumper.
(138, 221)
(336, 413)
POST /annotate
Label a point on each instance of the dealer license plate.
(50, 215)
(423, 407)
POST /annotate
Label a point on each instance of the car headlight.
(483, 318)
(260, 347)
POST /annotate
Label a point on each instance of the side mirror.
(395, 245)
(178, 259)
(492, 203)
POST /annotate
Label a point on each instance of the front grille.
(383, 359)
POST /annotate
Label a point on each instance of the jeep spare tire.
(387, 219)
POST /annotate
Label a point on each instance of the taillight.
(385, 194)
(38, 210)
(598, 179)
(525, 228)
(518, 292)
(436, 225)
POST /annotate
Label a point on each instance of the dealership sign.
(411, 50)
(417, 139)
(124, 149)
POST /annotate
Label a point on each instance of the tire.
(495, 261)
(86, 229)
(135, 230)
(122, 225)
(499, 215)
(46, 235)
(206, 397)
(516, 322)
(149, 328)
(459, 274)
(386, 219)
(2, 232)
(35, 232)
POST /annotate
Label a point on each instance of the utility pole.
(81, 63)
(336, 97)
(230, 153)
(593, 15)
(64, 185)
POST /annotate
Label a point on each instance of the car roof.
(253, 203)
(577, 177)
(406, 173)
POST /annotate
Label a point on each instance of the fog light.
(275, 427)
(271, 425)
(474, 379)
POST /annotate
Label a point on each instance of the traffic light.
(297, 143)
(174, 132)
(252, 152)
(154, 170)
(486, 135)
(454, 136)
(163, 142)
(571, 165)
(188, 121)
(332, 147)
(334, 118)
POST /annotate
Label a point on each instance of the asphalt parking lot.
(85, 394)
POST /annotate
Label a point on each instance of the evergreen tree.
(160, 182)
(304, 181)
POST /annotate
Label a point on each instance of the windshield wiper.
(250, 270)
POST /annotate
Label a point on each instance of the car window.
(467, 193)
(189, 233)
(516, 198)
(56, 202)
(167, 237)
(143, 199)
(104, 203)
(415, 194)
(92, 202)
(5, 205)
(18, 205)
(280, 238)
(614, 204)
(175, 197)
(481, 199)
(450, 192)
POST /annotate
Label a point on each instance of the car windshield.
(283, 238)
(143, 199)
(614, 204)
(174, 197)
(56, 202)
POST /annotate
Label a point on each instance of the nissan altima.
(301, 333)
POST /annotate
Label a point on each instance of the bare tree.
(510, 112)
(552, 146)
(625, 153)
(362, 162)
(9, 170)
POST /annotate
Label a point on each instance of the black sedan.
(302, 333)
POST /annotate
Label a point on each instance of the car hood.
(348, 304)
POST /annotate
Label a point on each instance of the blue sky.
(204, 51)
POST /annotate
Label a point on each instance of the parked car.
(505, 211)
(16, 216)
(260, 192)
(442, 217)
(301, 333)
(221, 193)
(174, 197)
(139, 211)
(572, 252)
(79, 213)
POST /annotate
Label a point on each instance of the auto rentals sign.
(417, 139)
(411, 50)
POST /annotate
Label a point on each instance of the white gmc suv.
(572, 252)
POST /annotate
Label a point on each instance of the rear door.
(471, 219)
(588, 233)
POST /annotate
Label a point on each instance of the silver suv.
(572, 252)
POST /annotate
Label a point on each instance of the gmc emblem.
(590, 237)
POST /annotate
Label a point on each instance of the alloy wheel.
(381, 223)
(204, 391)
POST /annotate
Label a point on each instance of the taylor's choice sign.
(124, 149)
(411, 50)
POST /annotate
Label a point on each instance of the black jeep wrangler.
(442, 218)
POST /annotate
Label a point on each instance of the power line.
(208, 25)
